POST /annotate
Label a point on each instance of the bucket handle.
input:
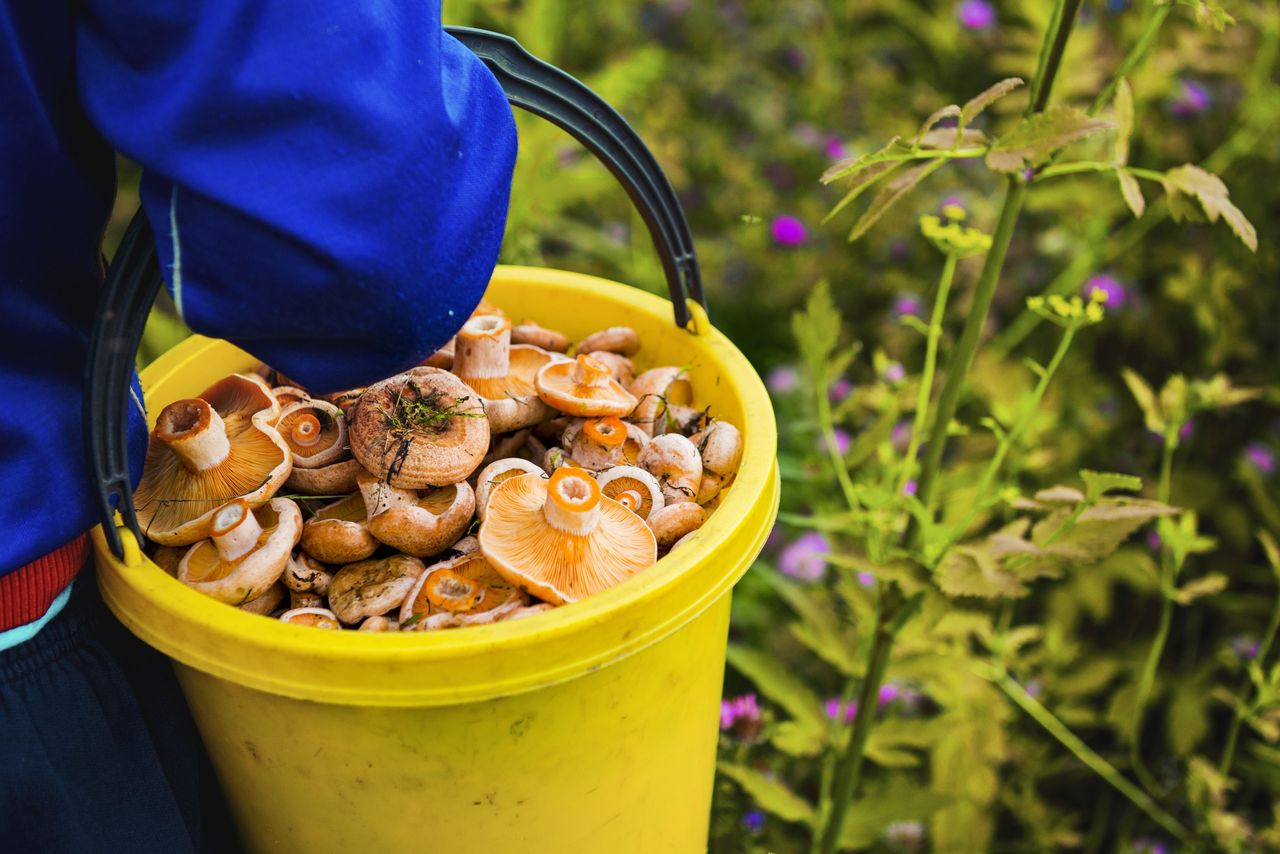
(134, 279)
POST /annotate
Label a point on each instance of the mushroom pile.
(499, 479)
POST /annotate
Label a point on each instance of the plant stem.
(1233, 735)
(849, 769)
(1085, 754)
(920, 422)
(1010, 439)
(827, 425)
(1147, 678)
(1135, 56)
(1064, 16)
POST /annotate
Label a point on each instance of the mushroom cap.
(633, 488)
(601, 443)
(334, 479)
(464, 587)
(174, 500)
(372, 587)
(654, 390)
(620, 367)
(422, 428)
(495, 473)
(529, 332)
(503, 447)
(676, 463)
(305, 599)
(268, 602)
(501, 374)
(287, 395)
(247, 577)
(684, 420)
(430, 526)
(344, 400)
(616, 339)
(557, 565)
(465, 546)
(339, 532)
(315, 431)
(305, 574)
(319, 618)
(584, 388)
(675, 521)
(379, 624)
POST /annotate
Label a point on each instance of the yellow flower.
(955, 213)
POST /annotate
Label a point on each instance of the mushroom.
(528, 611)
(622, 340)
(531, 333)
(584, 388)
(675, 462)
(287, 395)
(556, 458)
(373, 587)
(467, 588)
(675, 521)
(247, 553)
(551, 431)
(305, 574)
(654, 390)
(620, 367)
(505, 446)
(465, 546)
(502, 374)
(486, 307)
(267, 602)
(339, 532)
(684, 420)
(168, 557)
(560, 539)
(634, 488)
(417, 524)
(721, 446)
(422, 428)
(495, 473)
(299, 599)
(601, 443)
(207, 451)
(379, 624)
(442, 358)
(319, 618)
(680, 542)
(335, 479)
(315, 431)
(534, 449)
(344, 400)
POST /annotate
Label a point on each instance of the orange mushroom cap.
(502, 374)
(560, 539)
(583, 387)
(315, 431)
(247, 553)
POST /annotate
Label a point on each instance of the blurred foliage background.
(745, 103)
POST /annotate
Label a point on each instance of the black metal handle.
(134, 277)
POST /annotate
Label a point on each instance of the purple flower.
(835, 148)
(806, 557)
(1147, 845)
(894, 372)
(976, 15)
(909, 488)
(1261, 458)
(951, 202)
(866, 579)
(782, 380)
(1186, 431)
(1193, 100)
(789, 231)
(753, 821)
(1034, 687)
(1245, 647)
(843, 441)
(907, 304)
(1153, 540)
(900, 437)
(1116, 293)
(838, 711)
(839, 390)
(740, 711)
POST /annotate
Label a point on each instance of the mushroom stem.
(194, 431)
(573, 502)
(306, 430)
(380, 496)
(482, 349)
(591, 372)
(235, 530)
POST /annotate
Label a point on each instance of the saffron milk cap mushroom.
(287, 395)
(344, 400)
(560, 539)
(315, 431)
(206, 452)
(339, 533)
(675, 521)
(268, 602)
(247, 551)
(369, 588)
(305, 574)
(418, 524)
(600, 443)
(502, 374)
(654, 390)
(422, 428)
(318, 618)
(676, 463)
(334, 479)
(620, 367)
(622, 340)
(583, 387)
(466, 586)
(720, 444)
(496, 472)
(529, 332)
(634, 488)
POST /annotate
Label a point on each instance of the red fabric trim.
(28, 591)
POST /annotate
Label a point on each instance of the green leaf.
(1217, 392)
(893, 151)
(1132, 193)
(891, 193)
(1098, 531)
(938, 115)
(769, 793)
(1188, 715)
(862, 182)
(796, 739)
(1272, 551)
(819, 627)
(900, 800)
(817, 330)
(973, 571)
(1099, 483)
(947, 139)
(986, 98)
(1212, 195)
(1123, 105)
(1206, 585)
(1038, 136)
(773, 679)
(1211, 14)
(1152, 415)
(866, 442)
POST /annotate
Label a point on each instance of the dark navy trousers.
(98, 752)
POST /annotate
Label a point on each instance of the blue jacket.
(327, 181)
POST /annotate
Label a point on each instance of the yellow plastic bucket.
(589, 728)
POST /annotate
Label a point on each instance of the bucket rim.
(640, 612)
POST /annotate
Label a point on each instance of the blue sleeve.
(327, 180)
